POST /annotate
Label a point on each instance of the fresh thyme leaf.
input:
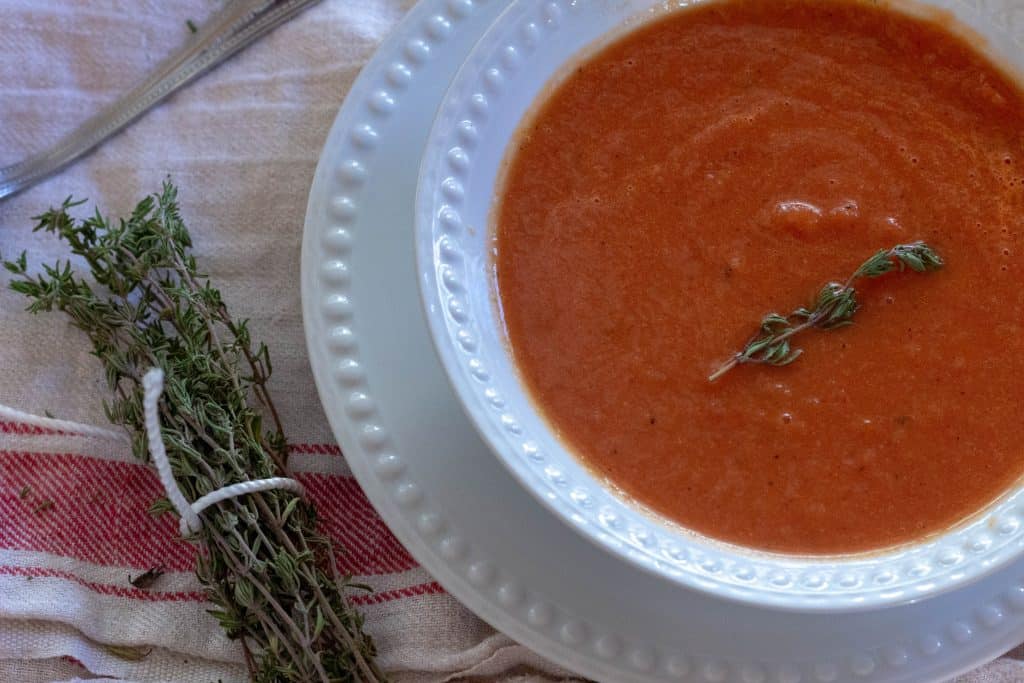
(160, 506)
(128, 654)
(833, 307)
(269, 572)
(192, 28)
(147, 578)
(25, 490)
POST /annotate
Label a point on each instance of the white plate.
(465, 518)
(498, 82)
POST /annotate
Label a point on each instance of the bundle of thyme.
(270, 574)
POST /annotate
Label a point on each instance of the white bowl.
(524, 48)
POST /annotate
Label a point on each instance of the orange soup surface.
(726, 161)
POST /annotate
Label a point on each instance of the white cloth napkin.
(242, 145)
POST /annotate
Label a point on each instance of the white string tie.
(65, 426)
(153, 387)
(191, 522)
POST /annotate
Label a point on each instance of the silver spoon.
(237, 25)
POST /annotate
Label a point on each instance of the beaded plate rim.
(906, 573)
(334, 341)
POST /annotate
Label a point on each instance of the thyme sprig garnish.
(269, 572)
(834, 307)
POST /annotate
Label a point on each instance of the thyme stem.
(270, 574)
(834, 307)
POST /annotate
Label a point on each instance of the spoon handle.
(238, 24)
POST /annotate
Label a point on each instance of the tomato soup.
(726, 161)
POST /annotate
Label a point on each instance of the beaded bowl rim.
(342, 222)
(992, 537)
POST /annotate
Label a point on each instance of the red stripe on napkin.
(25, 429)
(127, 591)
(98, 512)
(348, 518)
(87, 508)
(314, 449)
(432, 588)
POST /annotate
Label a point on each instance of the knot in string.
(191, 522)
